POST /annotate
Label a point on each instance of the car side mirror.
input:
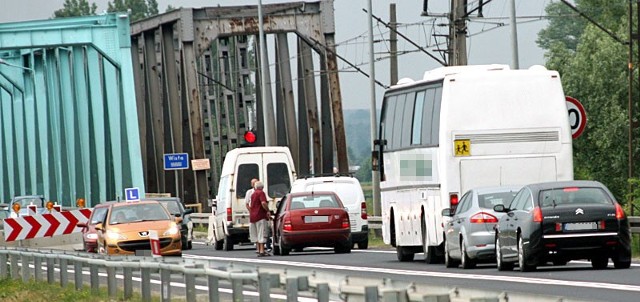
(99, 227)
(447, 212)
(81, 224)
(500, 208)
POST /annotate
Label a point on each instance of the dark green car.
(177, 209)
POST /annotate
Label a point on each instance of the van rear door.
(279, 175)
(248, 166)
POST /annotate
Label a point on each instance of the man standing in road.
(247, 196)
(247, 201)
(258, 216)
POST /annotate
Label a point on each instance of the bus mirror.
(375, 166)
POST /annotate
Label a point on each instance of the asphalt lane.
(576, 280)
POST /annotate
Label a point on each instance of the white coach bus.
(459, 128)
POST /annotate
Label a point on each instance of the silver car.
(469, 231)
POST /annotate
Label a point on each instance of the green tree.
(593, 67)
(75, 8)
(139, 9)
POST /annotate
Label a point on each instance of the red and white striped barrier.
(45, 225)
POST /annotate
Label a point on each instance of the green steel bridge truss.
(68, 120)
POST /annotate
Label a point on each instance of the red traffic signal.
(249, 137)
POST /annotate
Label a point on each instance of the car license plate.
(314, 219)
(580, 226)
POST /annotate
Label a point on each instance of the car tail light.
(537, 215)
(345, 223)
(287, 226)
(483, 217)
(619, 212)
(453, 200)
(229, 218)
(363, 210)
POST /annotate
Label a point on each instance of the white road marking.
(526, 280)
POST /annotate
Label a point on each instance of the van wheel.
(227, 245)
(364, 244)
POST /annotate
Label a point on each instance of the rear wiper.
(554, 202)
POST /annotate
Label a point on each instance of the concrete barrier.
(63, 242)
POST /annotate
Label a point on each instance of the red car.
(89, 234)
(307, 219)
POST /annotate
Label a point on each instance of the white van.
(350, 192)
(271, 165)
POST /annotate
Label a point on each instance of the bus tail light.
(363, 210)
(453, 200)
(537, 215)
(229, 218)
(483, 217)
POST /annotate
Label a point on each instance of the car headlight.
(114, 235)
(91, 236)
(172, 230)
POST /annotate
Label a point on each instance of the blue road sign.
(132, 194)
(176, 161)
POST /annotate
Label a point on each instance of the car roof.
(563, 184)
(162, 199)
(308, 193)
(120, 204)
(488, 190)
(337, 177)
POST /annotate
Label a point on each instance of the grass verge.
(32, 291)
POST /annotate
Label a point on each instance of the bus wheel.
(430, 256)
(403, 253)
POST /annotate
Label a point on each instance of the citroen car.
(127, 225)
(557, 222)
(311, 219)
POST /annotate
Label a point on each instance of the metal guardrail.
(27, 264)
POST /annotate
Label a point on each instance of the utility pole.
(393, 44)
(265, 79)
(515, 64)
(458, 33)
(375, 175)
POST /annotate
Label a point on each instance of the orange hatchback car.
(126, 227)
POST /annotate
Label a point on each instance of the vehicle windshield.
(488, 201)
(573, 196)
(138, 212)
(172, 206)
(25, 201)
(314, 201)
(98, 215)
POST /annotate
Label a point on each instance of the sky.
(488, 43)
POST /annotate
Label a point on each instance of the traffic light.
(250, 138)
